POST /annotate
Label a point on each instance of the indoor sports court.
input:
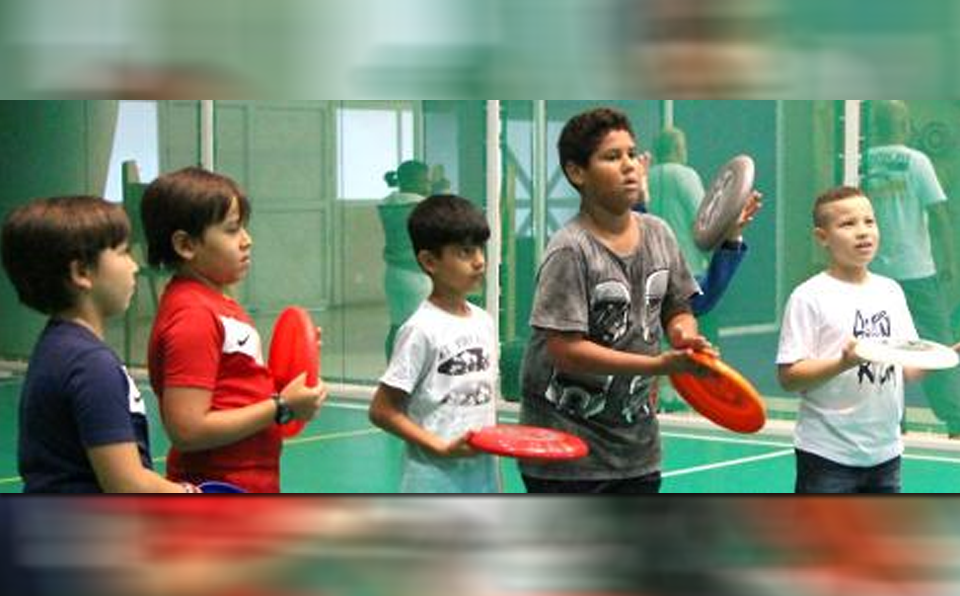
(315, 173)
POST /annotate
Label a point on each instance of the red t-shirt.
(201, 339)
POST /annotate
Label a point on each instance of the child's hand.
(304, 401)
(681, 362)
(697, 343)
(849, 358)
(458, 448)
(750, 210)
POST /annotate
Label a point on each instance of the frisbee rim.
(748, 417)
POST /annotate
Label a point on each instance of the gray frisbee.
(725, 199)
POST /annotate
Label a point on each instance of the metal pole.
(494, 183)
(851, 142)
(539, 177)
(207, 134)
(666, 114)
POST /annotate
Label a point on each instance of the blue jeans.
(817, 475)
(644, 485)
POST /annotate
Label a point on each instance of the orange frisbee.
(528, 442)
(294, 350)
(724, 396)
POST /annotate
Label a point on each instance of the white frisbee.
(922, 354)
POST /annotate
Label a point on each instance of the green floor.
(342, 453)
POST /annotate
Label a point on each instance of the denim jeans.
(644, 485)
(817, 475)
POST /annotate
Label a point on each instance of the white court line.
(728, 464)
(696, 437)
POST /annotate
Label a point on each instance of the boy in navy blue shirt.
(82, 425)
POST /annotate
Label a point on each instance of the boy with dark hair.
(83, 423)
(206, 363)
(612, 283)
(441, 381)
(848, 429)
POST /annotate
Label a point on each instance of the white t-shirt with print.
(448, 366)
(854, 418)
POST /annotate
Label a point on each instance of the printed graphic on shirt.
(655, 290)
(609, 313)
(241, 338)
(467, 361)
(616, 402)
(875, 326)
(137, 404)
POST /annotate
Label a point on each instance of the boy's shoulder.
(67, 347)
(188, 295)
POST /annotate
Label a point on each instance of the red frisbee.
(294, 350)
(528, 442)
(724, 396)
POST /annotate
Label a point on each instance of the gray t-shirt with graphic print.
(618, 301)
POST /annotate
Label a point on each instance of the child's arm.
(194, 426)
(387, 412)
(119, 470)
(807, 374)
(574, 353)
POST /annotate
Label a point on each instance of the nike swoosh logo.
(243, 341)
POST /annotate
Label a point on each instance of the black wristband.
(283, 414)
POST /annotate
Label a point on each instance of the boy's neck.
(852, 275)
(455, 304)
(616, 231)
(189, 273)
(606, 222)
(86, 316)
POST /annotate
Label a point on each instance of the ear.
(575, 173)
(427, 260)
(184, 245)
(81, 275)
(820, 235)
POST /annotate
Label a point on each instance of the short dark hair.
(43, 237)
(411, 173)
(833, 195)
(668, 143)
(583, 134)
(189, 200)
(891, 120)
(445, 220)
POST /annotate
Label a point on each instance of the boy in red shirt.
(205, 357)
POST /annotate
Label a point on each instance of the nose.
(246, 240)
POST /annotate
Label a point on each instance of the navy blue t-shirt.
(77, 396)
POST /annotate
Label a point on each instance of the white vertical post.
(494, 183)
(666, 114)
(540, 179)
(208, 158)
(851, 142)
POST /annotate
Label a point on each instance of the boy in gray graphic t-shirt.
(612, 284)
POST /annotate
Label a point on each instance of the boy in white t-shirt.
(442, 378)
(848, 429)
